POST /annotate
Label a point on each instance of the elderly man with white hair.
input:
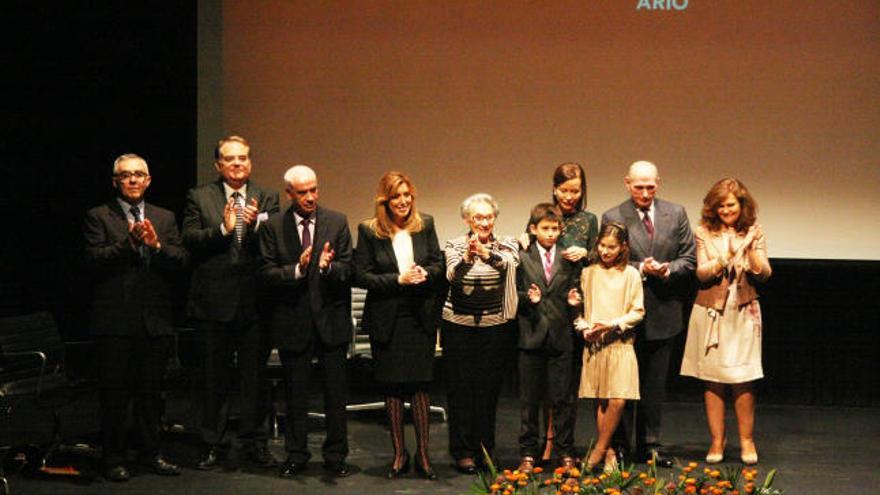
(662, 249)
(306, 253)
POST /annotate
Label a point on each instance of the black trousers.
(234, 353)
(476, 361)
(653, 357)
(545, 374)
(297, 369)
(130, 372)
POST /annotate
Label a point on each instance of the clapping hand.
(134, 236)
(148, 234)
(754, 233)
(524, 240)
(229, 215)
(143, 233)
(304, 258)
(574, 298)
(326, 257)
(477, 249)
(534, 294)
(250, 211)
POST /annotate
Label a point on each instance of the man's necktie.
(649, 225)
(239, 216)
(306, 237)
(136, 213)
(548, 266)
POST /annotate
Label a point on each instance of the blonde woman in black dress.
(398, 260)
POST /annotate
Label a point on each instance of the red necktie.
(649, 225)
(548, 265)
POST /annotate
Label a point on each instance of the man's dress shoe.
(117, 473)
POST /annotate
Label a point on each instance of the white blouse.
(403, 250)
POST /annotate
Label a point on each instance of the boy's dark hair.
(545, 211)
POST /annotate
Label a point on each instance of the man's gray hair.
(468, 204)
(298, 172)
(129, 156)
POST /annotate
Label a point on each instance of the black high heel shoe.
(403, 469)
(426, 472)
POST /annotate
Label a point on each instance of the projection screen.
(489, 96)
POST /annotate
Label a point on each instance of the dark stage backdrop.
(85, 83)
(95, 83)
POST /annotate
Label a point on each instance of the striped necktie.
(239, 216)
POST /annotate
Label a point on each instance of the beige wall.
(471, 96)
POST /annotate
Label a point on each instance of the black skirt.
(408, 356)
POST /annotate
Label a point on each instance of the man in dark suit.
(662, 249)
(133, 249)
(543, 282)
(220, 226)
(306, 255)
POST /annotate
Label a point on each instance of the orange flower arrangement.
(624, 481)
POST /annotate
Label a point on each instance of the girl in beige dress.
(724, 335)
(613, 306)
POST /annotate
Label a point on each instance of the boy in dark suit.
(544, 282)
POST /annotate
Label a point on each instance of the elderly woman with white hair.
(478, 337)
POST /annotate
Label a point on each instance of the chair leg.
(56, 439)
(4, 484)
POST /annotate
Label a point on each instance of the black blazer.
(376, 270)
(550, 319)
(318, 300)
(223, 279)
(127, 286)
(665, 300)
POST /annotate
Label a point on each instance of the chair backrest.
(22, 339)
(358, 298)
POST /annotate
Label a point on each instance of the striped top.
(481, 294)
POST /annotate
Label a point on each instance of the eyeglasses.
(128, 175)
(483, 218)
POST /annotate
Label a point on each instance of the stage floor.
(817, 450)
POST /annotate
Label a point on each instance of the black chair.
(34, 388)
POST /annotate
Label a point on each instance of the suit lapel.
(558, 260)
(290, 235)
(321, 233)
(387, 249)
(537, 265)
(420, 250)
(120, 221)
(217, 200)
(663, 225)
